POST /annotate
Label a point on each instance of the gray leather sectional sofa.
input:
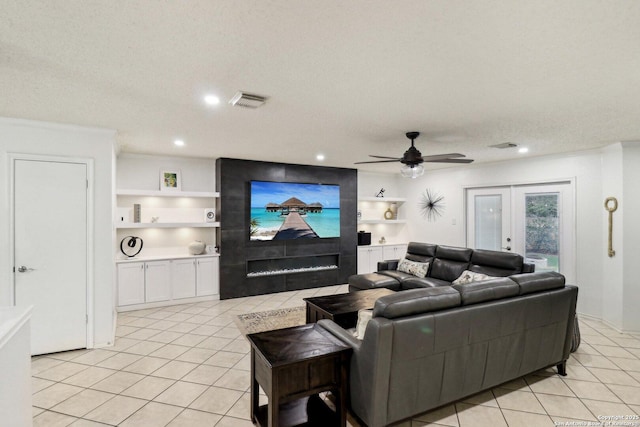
(426, 347)
(446, 264)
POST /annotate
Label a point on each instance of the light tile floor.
(188, 365)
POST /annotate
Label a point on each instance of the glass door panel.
(488, 219)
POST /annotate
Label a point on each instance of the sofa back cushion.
(420, 252)
(415, 301)
(536, 282)
(487, 290)
(495, 263)
(450, 262)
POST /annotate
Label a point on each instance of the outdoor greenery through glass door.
(542, 231)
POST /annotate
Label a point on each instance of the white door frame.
(12, 158)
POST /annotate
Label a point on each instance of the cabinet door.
(394, 251)
(368, 258)
(157, 281)
(207, 281)
(131, 283)
(183, 278)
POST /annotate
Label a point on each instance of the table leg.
(343, 392)
(255, 391)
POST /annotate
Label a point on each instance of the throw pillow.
(364, 316)
(469, 277)
(418, 269)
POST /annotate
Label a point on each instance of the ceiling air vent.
(247, 100)
(504, 145)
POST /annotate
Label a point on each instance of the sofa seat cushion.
(536, 282)
(372, 281)
(415, 301)
(426, 282)
(487, 290)
(395, 274)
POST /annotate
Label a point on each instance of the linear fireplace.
(292, 265)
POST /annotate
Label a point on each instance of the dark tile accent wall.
(233, 178)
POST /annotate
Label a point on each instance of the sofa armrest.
(528, 268)
(388, 264)
(340, 333)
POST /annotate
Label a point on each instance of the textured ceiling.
(345, 78)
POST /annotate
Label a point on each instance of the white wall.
(584, 168)
(613, 279)
(630, 249)
(30, 137)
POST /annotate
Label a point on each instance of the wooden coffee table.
(343, 308)
(293, 364)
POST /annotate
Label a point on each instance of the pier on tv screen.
(289, 210)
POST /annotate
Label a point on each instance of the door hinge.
(87, 181)
(86, 318)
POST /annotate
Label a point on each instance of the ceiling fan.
(412, 159)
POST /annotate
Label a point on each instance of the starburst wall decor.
(431, 205)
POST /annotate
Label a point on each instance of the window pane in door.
(488, 221)
(542, 232)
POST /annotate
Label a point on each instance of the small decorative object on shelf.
(382, 240)
(431, 205)
(155, 219)
(209, 215)
(380, 193)
(359, 214)
(136, 212)
(197, 247)
(129, 246)
(170, 180)
(388, 214)
(394, 210)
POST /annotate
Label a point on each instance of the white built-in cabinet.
(393, 251)
(130, 283)
(369, 256)
(164, 281)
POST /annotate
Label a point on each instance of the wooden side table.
(292, 364)
(343, 308)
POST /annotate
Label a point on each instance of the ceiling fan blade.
(442, 156)
(450, 161)
(378, 161)
(385, 157)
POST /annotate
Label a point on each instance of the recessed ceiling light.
(179, 142)
(320, 157)
(211, 100)
(523, 150)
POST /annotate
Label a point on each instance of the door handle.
(23, 269)
(507, 248)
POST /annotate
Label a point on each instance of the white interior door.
(488, 218)
(50, 251)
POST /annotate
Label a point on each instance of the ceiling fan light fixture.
(412, 171)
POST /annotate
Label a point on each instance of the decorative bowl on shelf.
(197, 247)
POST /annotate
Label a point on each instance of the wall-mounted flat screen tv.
(289, 210)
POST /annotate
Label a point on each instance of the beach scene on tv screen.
(284, 210)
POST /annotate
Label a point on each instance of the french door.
(536, 221)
